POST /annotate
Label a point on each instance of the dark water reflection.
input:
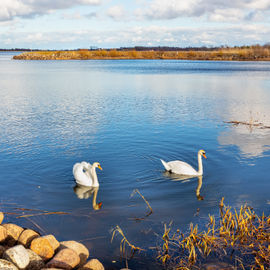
(185, 178)
(127, 115)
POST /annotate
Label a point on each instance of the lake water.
(127, 115)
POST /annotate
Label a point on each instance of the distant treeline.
(149, 48)
(16, 50)
(203, 48)
(244, 53)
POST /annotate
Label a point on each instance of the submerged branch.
(44, 213)
(148, 205)
(39, 227)
(251, 124)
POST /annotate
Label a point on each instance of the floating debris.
(250, 124)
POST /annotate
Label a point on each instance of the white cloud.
(170, 9)
(258, 4)
(12, 8)
(227, 15)
(90, 2)
(29, 8)
(217, 10)
(116, 13)
(140, 35)
(218, 22)
(72, 16)
(91, 15)
(36, 37)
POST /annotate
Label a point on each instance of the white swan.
(85, 174)
(180, 167)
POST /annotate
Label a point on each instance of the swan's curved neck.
(94, 175)
(200, 167)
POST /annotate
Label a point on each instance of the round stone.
(65, 259)
(42, 247)
(79, 248)
(13, 233)
(27, 236)
(17, 255)
(7, 265)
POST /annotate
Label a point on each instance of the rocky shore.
(23, 248)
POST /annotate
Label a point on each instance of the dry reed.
(124, 242)
(239, 236)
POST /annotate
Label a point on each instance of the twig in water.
(27, 209)
(92, 238)
(41, 214)
(150, 208)
(33, 222)
(250, 123)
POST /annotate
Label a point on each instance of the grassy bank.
(252, 53)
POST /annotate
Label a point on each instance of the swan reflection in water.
(84, 192)
(178, 177)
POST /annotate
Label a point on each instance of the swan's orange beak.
(99, 167)
(204, 155)
(99, 205)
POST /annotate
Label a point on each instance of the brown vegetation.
(247, 53)
(236, 240)
(241, 238)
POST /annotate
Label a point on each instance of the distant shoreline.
(254, 53)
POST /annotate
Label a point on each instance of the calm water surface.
(127, 115)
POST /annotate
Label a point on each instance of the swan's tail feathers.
(166, 166)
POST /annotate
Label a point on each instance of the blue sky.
(72, 24)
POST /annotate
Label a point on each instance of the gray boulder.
(18, 255)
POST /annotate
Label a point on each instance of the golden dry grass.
(240, 237)
(228, 54)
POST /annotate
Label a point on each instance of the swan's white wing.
(75, 167)
(180, 167)
(82, 175)
(86, 165)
